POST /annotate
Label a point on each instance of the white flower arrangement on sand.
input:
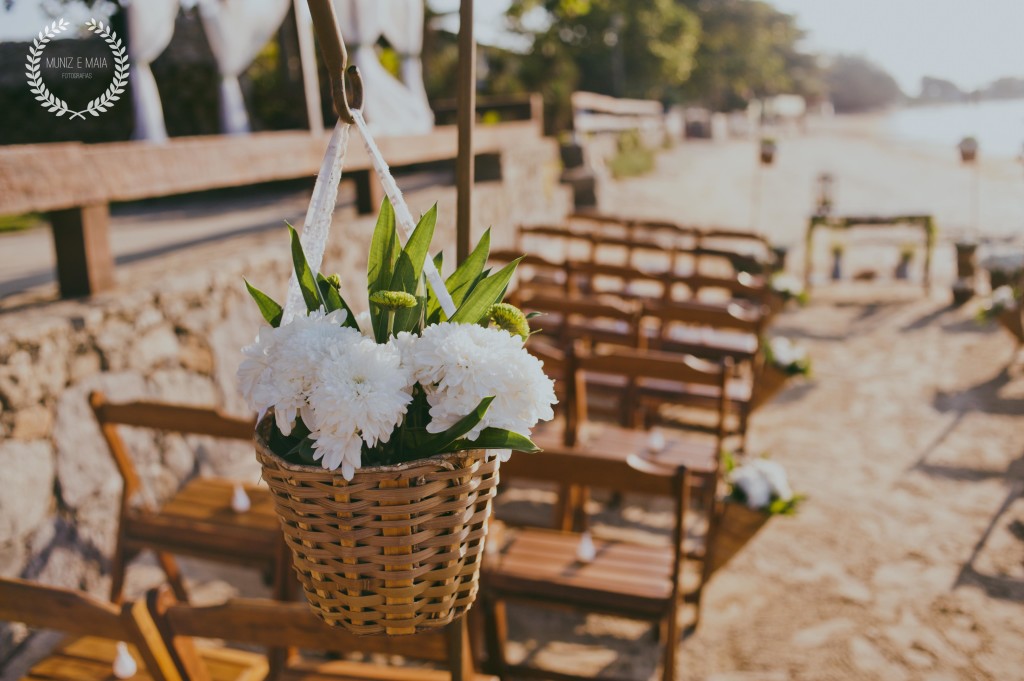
(788, 287)
(787, 356)
(1002, 299)
(401, 382)
(761, 484)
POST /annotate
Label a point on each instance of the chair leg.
(173, 572)
(118, 566)
(671, 643)
(495, 635)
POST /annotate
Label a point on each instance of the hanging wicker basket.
(397, 549)
(1013, 320)
(769, 383)
(736, 526)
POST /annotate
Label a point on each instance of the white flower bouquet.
(380, 436)
(400, 382)
(787, 356)
(1002, 299)
(788, 287)
(761, 484)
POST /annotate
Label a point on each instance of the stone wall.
(174, 337)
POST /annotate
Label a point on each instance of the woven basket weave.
(1012, 320)
(769, 383)
(397, 549)
(736, 526)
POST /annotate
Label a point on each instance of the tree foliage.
(856, 84)
(748, 49)
(618, 47)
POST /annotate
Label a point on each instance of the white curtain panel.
(390, 106)
(149, 33)
(237, 30)
(404, 30)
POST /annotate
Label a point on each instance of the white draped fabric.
(237, 30)
(391, 106)
(150, 27)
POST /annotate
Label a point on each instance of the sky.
(971, 42)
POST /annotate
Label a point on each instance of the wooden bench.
(76, 183)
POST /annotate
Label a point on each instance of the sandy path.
(907, 561)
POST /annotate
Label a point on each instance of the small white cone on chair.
(240, 502)
(124, 666)
(586, 552)
(656, 441)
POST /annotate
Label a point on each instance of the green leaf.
(497, 438)
(270, 310)
(384, 249)
(307, 284)
(333, 301)
(461, 282)
(442, 442)
(409, 269)
(486, 293)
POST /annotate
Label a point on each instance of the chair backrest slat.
(79, 614)
(619, 474)
(650, 364)
(273, 624)
(48, 607)
(180, 419)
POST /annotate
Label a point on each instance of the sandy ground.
(907, 560)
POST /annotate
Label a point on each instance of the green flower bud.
(510, 318)
(393, 300)
(335, 281)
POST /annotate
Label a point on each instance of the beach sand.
(906, 561)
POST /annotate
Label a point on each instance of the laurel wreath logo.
(55, 104)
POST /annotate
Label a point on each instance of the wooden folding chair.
(198, 520)
(709, 331)
(535, 274)
(94, 628)
(541, 567)
(269, 623)
(566, 319)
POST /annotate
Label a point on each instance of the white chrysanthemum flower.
(1003, 298)
(361, 393)
(787, 284)
(762, 480)
(786, 353)
(754, 486)
(458, 365)
(280, 367)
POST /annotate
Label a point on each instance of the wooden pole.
(466, 121)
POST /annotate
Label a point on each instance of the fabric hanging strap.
(321, 209)
(318, 216)
(403, 217)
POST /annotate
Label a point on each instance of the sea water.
(998, 125)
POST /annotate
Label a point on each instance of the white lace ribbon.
(402, 215)
(321, 209)
(318, 216)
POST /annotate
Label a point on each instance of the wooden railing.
(526, 107)
(594, 113)
(75, 183)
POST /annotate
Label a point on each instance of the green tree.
(748, 49)
(617, 47)
(856, 84)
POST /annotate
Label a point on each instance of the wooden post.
(466, 121)
(82, 243)
(310, 78)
